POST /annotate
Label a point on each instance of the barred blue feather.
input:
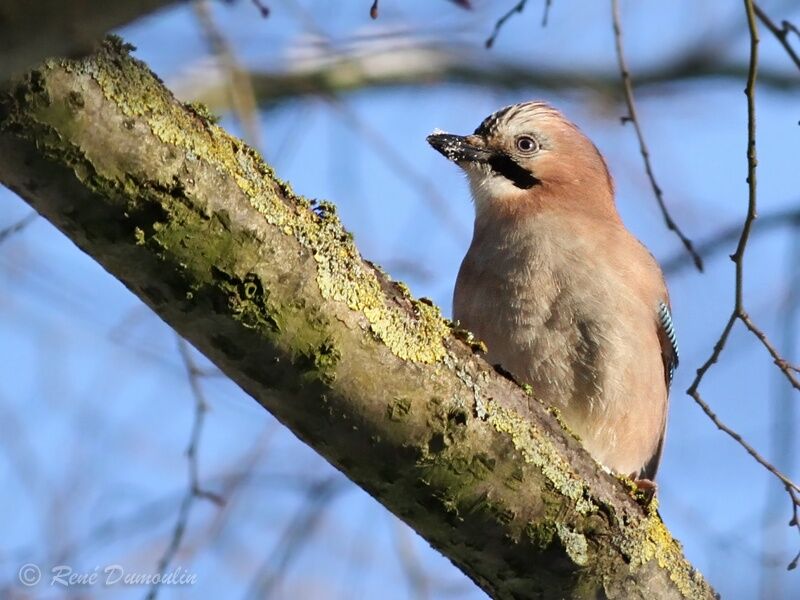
(665, 318)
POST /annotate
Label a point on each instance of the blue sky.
(95, 409)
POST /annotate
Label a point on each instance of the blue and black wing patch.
(669, 355)
(669, 343)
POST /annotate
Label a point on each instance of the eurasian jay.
(565, 298)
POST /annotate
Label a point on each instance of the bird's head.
(530, 155)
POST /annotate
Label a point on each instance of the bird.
(563, 296)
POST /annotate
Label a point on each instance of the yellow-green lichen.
(575, 544)
(642, 539)
(341, 274)
(536, 449)
(556, 414)
(466, 336)
(649, 539)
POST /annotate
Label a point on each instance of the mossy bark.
(272, 289)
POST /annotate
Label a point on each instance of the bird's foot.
(645, 489)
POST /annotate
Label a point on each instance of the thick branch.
(419, 65)
(273, 290)
(33, 30)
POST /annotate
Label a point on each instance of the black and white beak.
(460, 150)
(457, 148)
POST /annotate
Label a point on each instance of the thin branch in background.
(373, 11)
(517, 8)
(546, 13)
(297, 535)
(722, 239)
(632, 117)
(262, 8)
(239, 84)
(237, 478)
(739, 312)
(752, 204)
(439, 205)
(419, 583)
(794, 522)
(784, 411)
(727, 538)
(195, 492)
(781, 33)
(779, 361)
(18, 226)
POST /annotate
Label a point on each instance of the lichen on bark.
(342, 274)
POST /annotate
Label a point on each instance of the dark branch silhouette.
(739, 312)
(195, 491)
(633, 117)
(728, 236)
(20, 225)
(498, 26)
(781, 33)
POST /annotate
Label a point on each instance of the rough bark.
(32, 30)
(272, 289)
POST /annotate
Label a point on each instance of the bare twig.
(296, 536)
(784, 417)
(439, 205)
(779, 361)
(18, 226)
(239, 83)
(632, 117)
(752, 205)
(781, 33)
(262, 8)
(739, 312)
(194, 492)
(795, 521)
(722, 239)
(419, 583)
(546, 13)
(517, 8)
(412, 64)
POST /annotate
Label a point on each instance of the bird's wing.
(669, 343)
(669, 355)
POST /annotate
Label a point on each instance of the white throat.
(487, 185)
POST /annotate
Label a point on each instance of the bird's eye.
(527, 144)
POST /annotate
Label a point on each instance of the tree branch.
(780, 33)
(728, 236)
(390, 68)
(739, 311)
(32, 31)
(633, 117)
(15, 228)
(273, 290)
(195, 491)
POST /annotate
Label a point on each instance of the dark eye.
(527, 144)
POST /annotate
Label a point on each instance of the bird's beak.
(458, 148)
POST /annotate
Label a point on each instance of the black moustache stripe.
(508, 168)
